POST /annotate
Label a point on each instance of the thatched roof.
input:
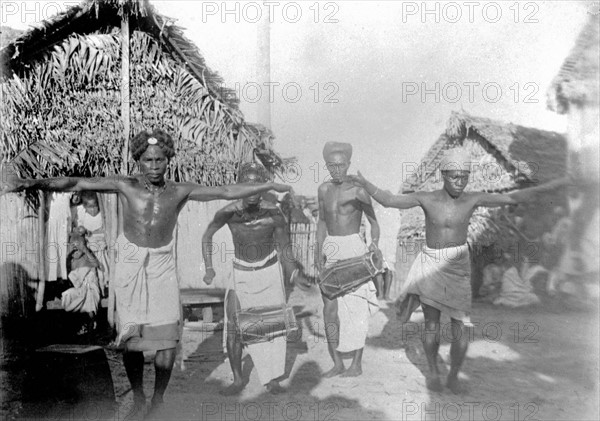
(508, 157)
(92, 16)
(61, 97)
(578, 79)
(8, 35)
(520, 150)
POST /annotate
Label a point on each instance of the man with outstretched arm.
(262, 250)
(146, 287)
(440, 276)
(341, 207)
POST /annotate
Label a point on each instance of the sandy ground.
(537, 363)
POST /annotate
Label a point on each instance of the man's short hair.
(252, 168)
(158, 137)
(334, 148)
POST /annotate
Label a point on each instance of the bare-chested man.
(262, 248)
(341, 206)
(440, 276)
(146, 287)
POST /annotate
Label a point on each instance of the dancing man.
(440, 276)
(146, 288)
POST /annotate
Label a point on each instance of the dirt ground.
(534, 363)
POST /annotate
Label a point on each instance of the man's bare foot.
(274, 388)
(136, 411)
(455, 385)
(233, 389)
(434, 384)
(335, 371)
(352, 372)
(155, 405)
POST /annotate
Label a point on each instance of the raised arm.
(384, 197)
(321, 229)
(367, 207)
(220, 219)
(12, 183)
(519, 196)
(232, 191)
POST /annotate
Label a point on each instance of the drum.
(348, 275)
(263, 324)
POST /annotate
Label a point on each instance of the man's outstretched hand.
(358, 180)
(281, 188)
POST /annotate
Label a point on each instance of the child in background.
(84, 296)
(88, 216)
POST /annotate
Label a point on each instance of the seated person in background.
(83, 266)
(89, 217)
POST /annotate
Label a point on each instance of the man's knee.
(165, 358)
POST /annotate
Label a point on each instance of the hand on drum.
(301, 280)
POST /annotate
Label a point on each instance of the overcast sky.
(355, 71)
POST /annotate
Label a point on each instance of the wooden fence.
(303, 238)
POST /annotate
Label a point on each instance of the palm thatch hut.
(75, 87)
(575, 91)
(506, 157)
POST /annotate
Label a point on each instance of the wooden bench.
(56, 304)
(203, 297)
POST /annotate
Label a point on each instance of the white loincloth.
(147, 297)
(85, 294)
(442, 279)
(257, 288)
(355, 308)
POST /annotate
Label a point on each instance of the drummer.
(261, 243)
(341, 206)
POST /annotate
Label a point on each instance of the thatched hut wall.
(505, 157)
(19, 258)
(192, 222)
(61, 99)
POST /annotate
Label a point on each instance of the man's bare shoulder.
(361, 193)
(325, 186)
(236, 206)
(124, 182)
(472, 196)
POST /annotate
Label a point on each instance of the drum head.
(377, 259)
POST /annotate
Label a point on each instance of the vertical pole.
(263, 69)
(125, 116)
(125, 94)
(39, 299)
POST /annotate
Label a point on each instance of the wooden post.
(125, 117)
(125, 94)
(263, 69)
(39, 299)
(112, 255)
